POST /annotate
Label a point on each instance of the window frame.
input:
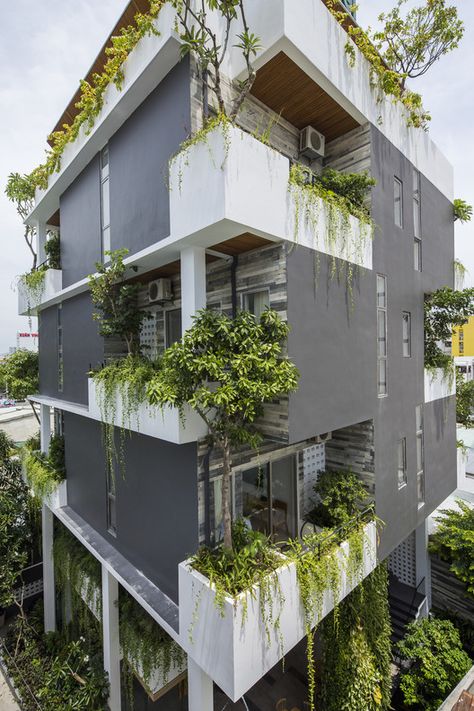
(398, 202)
(406, 340)
(166, 313)
(105, 187)
(60, 348)
(250, 292)
(402, 449)
(420, 455)
(111, 502)
(382, 358)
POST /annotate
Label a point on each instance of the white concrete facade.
(111, 637)
(28, 303)
(438, 385)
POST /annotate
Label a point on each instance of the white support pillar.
(423, 563)
(200, 688)
(110, 631)
(193, 284)
(45, 428)
(41, 233)
(49, 591)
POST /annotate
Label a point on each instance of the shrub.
(453, 541)
(341, 496)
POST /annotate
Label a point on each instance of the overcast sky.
(47, 45)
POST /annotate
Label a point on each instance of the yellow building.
(463, 339)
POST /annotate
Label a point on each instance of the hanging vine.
(44, 472)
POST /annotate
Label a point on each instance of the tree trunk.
(226, 512)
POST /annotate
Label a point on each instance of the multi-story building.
(220, 225)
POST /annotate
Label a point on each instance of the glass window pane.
(283, 486)
(398, 202)
(105, 203)
(419, 452)
(382, 333)
(420, 479)
(381, 291)
(382, 377)
(406, 321)
(255, 498)
(173, 326)
(417, 255)
(104, 159)
(419, 417)
(257, 302)
(402, 462)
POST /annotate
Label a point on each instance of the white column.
(45, 428)
(200, 688)
(423, 563)
(193, 284)
(49, 592)
(41, 233)
(110, 630)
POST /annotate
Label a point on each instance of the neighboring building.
(465, 367)
(462, 343)
(27, 341)
(223, 233)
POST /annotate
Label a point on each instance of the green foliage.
(464, 626)
(453, 541)
(353, 187)
(75, 567)
(127, 380)
(444, 309)
(44, 472)
(32, 286)
(410, 45)
(231, 572)
(341, 495)
(20, 189)
(357, 649)
(60, 674)
(56, 454)
(199, 39)
(226, 369)
(52, 248)
(145, 645)
(460, 272)
(19, 374)
(7, 448)
(462, 210)
(16, 528)
(464, 402)
(117, 302)
(437, 663)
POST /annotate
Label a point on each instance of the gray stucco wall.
(395, 414)
(80, 225)
(82, 349)
(157, 516)
(139, 154)
(332, 344)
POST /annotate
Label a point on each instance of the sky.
(47, 45)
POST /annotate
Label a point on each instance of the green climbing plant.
(44, 472)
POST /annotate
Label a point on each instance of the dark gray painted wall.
(157, 511)
(80, 225)
(139, 154)
(331, 343)
(395, 414)
(82, 348)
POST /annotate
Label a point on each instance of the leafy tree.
(52, 248)
(411, 44)
(464, 402)
(16, 528)
(117, 302)
(453, 541)
(20, 189)
(437, 662)
(341, 495)
(462, 210)
(227, 369)
(200, 40)
(19, 375)
(444, 309)
(355, 187)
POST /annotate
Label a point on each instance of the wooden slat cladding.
(288, 90)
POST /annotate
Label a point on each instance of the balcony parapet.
(438, 384)
(230, 183)
(146, 419)
(233, 645)
(30, 300)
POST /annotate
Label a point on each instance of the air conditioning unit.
(312, 143)
(160, 291)
(320, 439)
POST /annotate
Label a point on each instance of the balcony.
(29, 301)
(232, 646)
(148, 420)
(231, 184)
(439, 385)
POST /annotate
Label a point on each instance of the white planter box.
(438, 386)
(232, 183)
(234, 653)
(53, 282)
(150, 421)
(58, 498)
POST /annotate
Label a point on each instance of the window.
(60, 349)
(420, 456)
(461, 341)
(406, 328)
(111, 503)
(256, 302)
(398, 201)
(172, 326)
(417, 220)
(105, 201)
(402, 462)
(382, 334)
